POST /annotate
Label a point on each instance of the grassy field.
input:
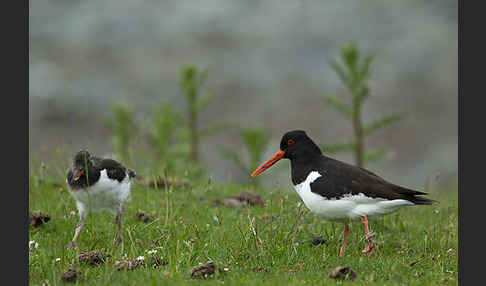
(268, 245)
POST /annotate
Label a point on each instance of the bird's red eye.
(290, 142)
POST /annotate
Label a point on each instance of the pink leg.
(345, 234)
(118, 221)
(371, 244)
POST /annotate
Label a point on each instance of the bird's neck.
(302, 166)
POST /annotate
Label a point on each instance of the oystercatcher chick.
(98, 184)
(337, 191)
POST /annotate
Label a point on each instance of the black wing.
(339, 179)
(114, 170)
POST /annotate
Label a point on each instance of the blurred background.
(267, 65)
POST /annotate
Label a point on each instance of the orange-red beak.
(78, 174)
(274, 159)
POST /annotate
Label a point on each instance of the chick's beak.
(78, 174)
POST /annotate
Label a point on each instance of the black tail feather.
(413, 196)
(422, 201)
(131, 173)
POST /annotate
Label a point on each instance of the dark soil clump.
(156, 262)
(161, 182)
(70, 275)
(93, 257)
(318, 240)
(145, 217)
(343, 272)
(38, 218)
(247, 198)
(203, 270)
(128, 264)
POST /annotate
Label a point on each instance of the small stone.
(343, 272)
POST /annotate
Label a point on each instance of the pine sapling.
(124, 129)
(161, 136)
(354, 72)
(256, 142)
(191, 81)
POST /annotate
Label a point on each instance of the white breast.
(347, 207)
(105, 194)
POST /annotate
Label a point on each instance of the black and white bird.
(98, 184)
(337, 191)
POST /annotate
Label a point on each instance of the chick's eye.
(290, 142)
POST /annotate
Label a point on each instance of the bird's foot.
(72, 244)
(371, 246)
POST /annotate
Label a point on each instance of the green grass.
(276, 237)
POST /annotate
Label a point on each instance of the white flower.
(72, 213)
(153, 251)
(226, 269)
(58, 259)
(141, 258)
(33, 242)
(216, 219)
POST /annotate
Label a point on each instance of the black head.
(295, 145)
(81, 159)
(81, 163)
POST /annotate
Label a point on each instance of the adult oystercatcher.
(337, 191)
(98, 184)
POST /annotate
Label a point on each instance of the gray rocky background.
(268, 63)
